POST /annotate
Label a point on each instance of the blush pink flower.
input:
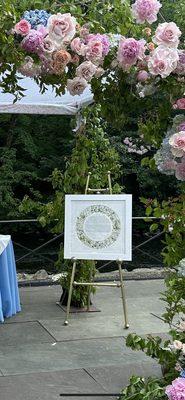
(181, 127)
(163, 61)
(61, 27)
(78, 46)
(180, 175)
(76, 86)
(177, 143)
(177, 344)
(84, 30)
(60, 60)
(28, 68)
(146, 10)
(180, 104)
(130, 51)
(176, 391)
(86, 70)
(180, 70)
(94, 51)
(142, 76)
(167, 34)
(48, 46)
(104, 40)
(22, 28)
(33, 41)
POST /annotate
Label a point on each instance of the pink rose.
(60, 60)
(86, 70)
(130, 51)
(76, 86)
(167, 34)
(28, 68)
(181, 127)
(177, 142)
(142, 76)
(177, 344)
(22, 27)
(84, 31)
(146, 10)
(163, 61)
(78, 46)
(75, 59)
(104, 40)
(180, 104)
(62, 27)
(94, 51)
(48, 46)
(33, 41)
(180, 70)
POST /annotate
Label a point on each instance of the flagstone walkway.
(40, 358)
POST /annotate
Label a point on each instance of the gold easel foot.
(66, 323)
(127, 326)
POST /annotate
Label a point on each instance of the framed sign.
(98, 227)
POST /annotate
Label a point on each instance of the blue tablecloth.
(9, 294)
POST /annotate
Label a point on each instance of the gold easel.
(91, 284)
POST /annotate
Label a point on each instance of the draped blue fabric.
(9, 294)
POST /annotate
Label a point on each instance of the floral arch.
(54, 49)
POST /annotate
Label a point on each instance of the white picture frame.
(98, 227)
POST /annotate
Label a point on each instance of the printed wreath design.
(98, 244)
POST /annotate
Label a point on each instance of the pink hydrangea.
(180, 175)
(176, 391)
(104, 40)
(22, 27)
(177, 143)
(130, 51)
(163, 61)
(33, 41)
(62, 27)
(146, 10)
(167, 34)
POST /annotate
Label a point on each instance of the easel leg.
(123, 294)
(70, 293)
(89, 289)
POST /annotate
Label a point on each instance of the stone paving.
(40, 358)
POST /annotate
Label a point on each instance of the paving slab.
(16, 334)
(93, 326)
(43, 357)
(48, 386)
(113, 378)
(38, 302)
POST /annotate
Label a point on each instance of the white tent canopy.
(47, 103)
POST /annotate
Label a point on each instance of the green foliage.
(141, 389)
(91, 153)
(171, 214)
(174, 297)
(155, 348)
(30, 148)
